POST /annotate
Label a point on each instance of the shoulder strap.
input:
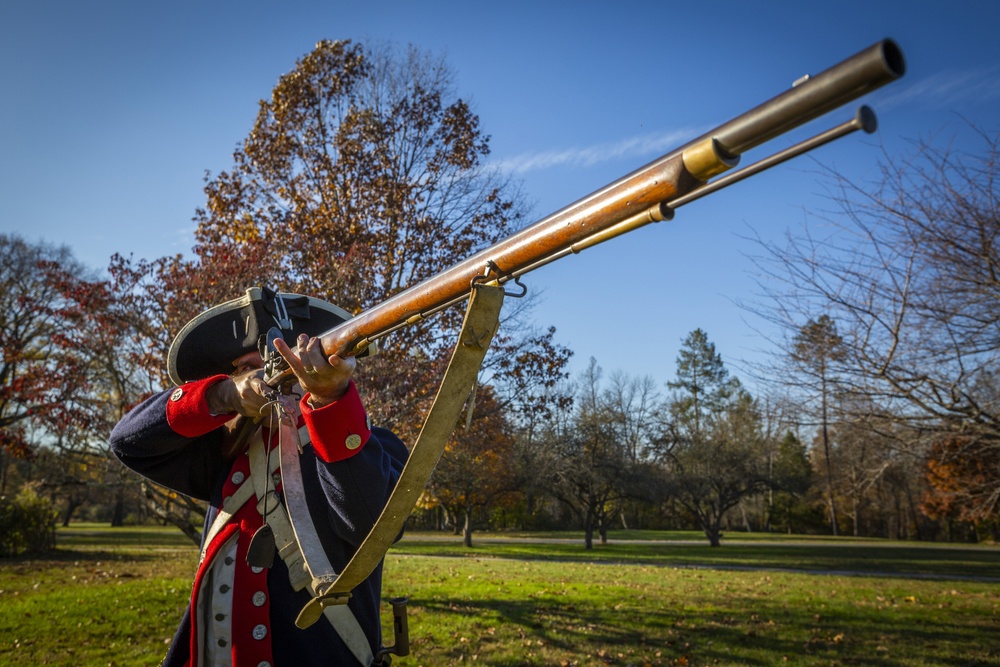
(262, 468)
(277, 517)
(293, 522)
(233, 503)
(478, 329)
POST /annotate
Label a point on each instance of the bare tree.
(593, 471)
(817, 349)
(909, 269)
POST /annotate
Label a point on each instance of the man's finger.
(288, 355)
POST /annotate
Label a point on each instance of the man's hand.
(245, 394)
(325, 377)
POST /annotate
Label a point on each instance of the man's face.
(251, 361)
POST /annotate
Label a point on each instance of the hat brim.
(208, 344)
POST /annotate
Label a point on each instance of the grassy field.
(113, 597)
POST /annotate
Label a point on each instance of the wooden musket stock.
(646, 195)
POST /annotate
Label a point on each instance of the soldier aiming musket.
(230, 364)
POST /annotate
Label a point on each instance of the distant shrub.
(27, 524)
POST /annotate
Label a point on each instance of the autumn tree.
(38, 375)
(61, 367)
(963, 475)
(125, 365)
(363, 174)
(44, 379)
(475, 475)
(96, 353)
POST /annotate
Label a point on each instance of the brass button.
(178, 393)
(353, 441)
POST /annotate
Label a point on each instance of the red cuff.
(187, 409)
(339, 430)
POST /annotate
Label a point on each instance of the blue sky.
(113, 111)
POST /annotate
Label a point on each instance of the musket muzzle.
(862, 73)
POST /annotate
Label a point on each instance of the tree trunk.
(71, 506)
(118, 516)
(713, 529)
(768, 509)
(826, 454)
(746, 519)
(4, 462)
(182, 522)
(467, 529)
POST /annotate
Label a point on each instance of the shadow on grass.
(68, 556)
(549, 633)
(128, 536)
(930, 562)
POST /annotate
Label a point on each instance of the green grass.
(805, 554)
(113, 597)
(84, 535)
(108, 606)
(505, 612)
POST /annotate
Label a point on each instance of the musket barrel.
(867, 70)
(670, 176)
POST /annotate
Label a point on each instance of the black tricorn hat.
(208, 344)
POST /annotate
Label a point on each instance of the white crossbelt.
(340, 617)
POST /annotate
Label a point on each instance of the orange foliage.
(963, 474)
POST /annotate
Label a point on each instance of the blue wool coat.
(345, 498)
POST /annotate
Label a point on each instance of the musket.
(649, 194)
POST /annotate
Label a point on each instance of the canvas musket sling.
(332, 590)
(295, 535)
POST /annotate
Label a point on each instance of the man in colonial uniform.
(243, 614)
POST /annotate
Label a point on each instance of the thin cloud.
(588, 156)
(948, 89)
